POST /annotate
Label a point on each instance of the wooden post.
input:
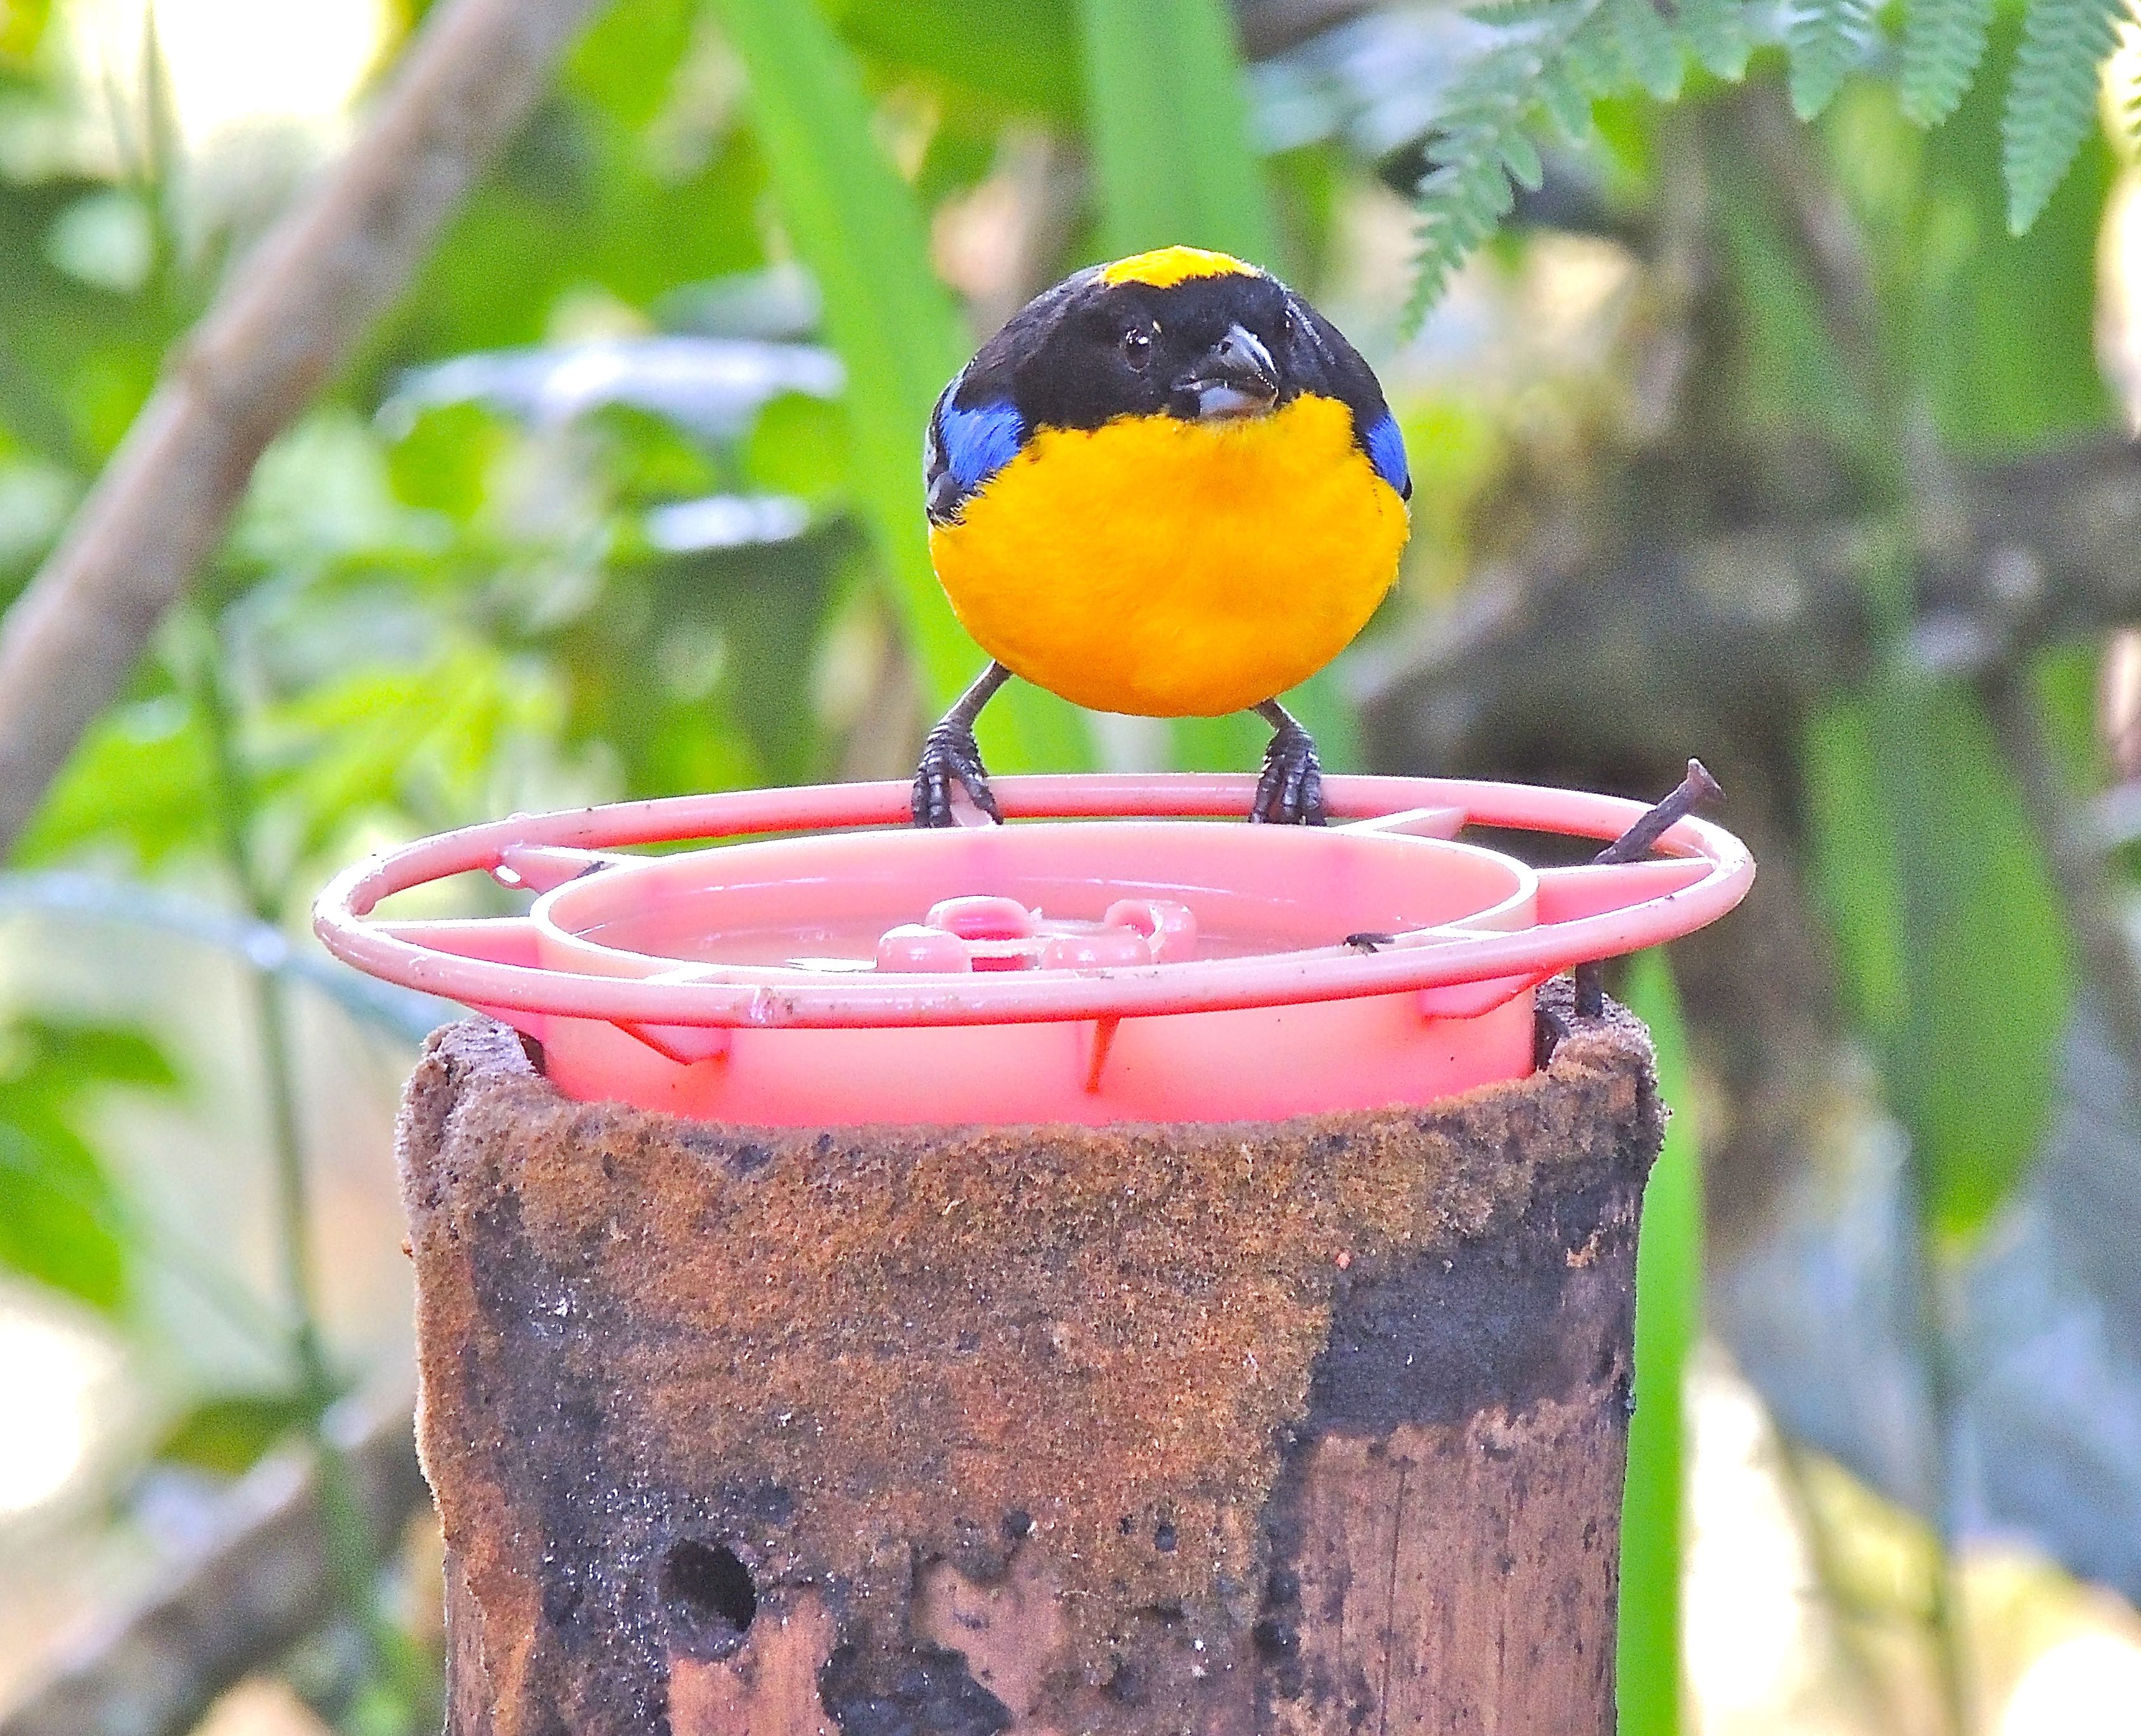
(1314, 1426)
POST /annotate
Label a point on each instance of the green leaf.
(1943, 42)
(625, 61)
(1857, 861)
(22, 28)
(55, 1211)
(1825, 39)
(2051, 99)
(2004, 337)
(1020, 53)
(1167, 114)
(1716, 31)
(857, 225)
(1668, 1323)
(139, 780)
(1550, 55)
(59, 1216)
(1953, 938)
(1646, 45)
(442, 464)
(1795, 370)
(229, 1433)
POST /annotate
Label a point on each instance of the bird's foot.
(1290, 793)
(951, 756)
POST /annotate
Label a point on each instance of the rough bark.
(1299, 1427)
(275, 335)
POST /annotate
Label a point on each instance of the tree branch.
(261, 1586)
(1272, 26)
(1606, 645)
(272, 340)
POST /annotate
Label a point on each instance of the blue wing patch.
(968, 447)
(1386, 452)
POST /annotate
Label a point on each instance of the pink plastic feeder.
(1113, 955)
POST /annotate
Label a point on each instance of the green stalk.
(1944, 1611)
(352, 1563)
(1668, 1322)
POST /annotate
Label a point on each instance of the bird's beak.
(1236, 377)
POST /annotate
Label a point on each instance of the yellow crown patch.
(1165, 266)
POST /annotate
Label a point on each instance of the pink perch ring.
(1153, 966)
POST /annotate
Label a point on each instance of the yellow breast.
(1173, 568)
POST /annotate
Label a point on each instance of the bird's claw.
(951, 756)
(1290, 793)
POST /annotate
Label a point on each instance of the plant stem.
(1944, 1611)
(352, 1563)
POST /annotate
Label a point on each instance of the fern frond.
(1564, 102)
(1716, 32)
(1825, 40)
(1647, 45)
(1480, 140)
(1943, 41)
(2051, 99)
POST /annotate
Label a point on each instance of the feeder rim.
(1642, 906)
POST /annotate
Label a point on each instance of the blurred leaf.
(696, 671)
(1796, 369)
(647, 459)
(1828, 39)
(2052, 97)
(855, 224)
(140, 779)
(1669, 1265)
(581, 199)
(798, 447)
(442, 461)
(713, 387)
(1951, 935)
(1020, 53)
(419, 738)
(1169, 117)
(227, 1435)
(57, 1210)
(22, 28)
(1943, 42)
(54, 1201)
(1718, 34)
(2006, 336)
(1857, 859)
(625, 61)
(77, 359)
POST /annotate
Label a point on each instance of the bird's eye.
(1137, 347)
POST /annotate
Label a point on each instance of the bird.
(1167, 487)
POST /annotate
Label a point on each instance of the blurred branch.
(262, 947)
(271, 341)
(1665, 638)
(1272, 26)
(261, 1587)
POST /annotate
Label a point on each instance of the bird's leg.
(951, 752)
(1290, 793)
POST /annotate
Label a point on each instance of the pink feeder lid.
(1113, 955)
